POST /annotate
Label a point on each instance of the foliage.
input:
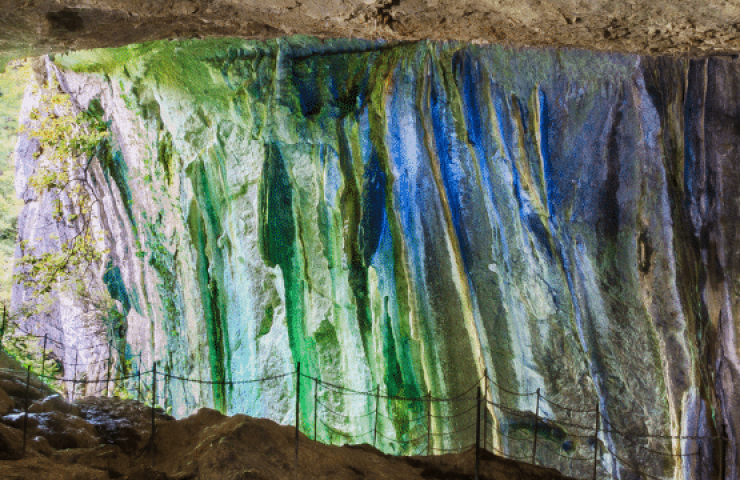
(122, 388)
(71, 142)
(12, 86)
(28, 351)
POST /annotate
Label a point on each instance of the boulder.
(109, 458)
(41, 445)
(125, 423)
(54, 403)
(61, 430)
(16, 388)
(11, 443)
(148, 473)
(6, 403)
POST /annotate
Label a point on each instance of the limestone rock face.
(407, 219)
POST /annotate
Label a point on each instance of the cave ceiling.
(678, 28)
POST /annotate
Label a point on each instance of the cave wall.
(412, 217)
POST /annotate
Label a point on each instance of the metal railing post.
(118, 381)
(377, 412)
(536, 428)
(5, 325)
(138, 379)
(297, 414)
(477, 436)
(43, 358)
(485, 413)
(74, 375)
(107, 379)
(154, 400)
(25, 417)
(315, 406)
(596, 439)
(166, 390)
(722, 456)
(429, 423)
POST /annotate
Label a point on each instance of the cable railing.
(584, 444)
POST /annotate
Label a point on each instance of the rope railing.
(29, 334)
(452, 450)
(454, 432)
(339, 387)
(508, 455)
(565, 423)
(511, 411)
(456, 415)
(227, 382)
(501, 388)
(419, 452)
(612, 429)
(421, 418)
(57, 342)
(669, 454)
(498, 420)
(341, 433)
(514, 437)
(567, 457)
(85, 381)
(402, 441)
(628, 465)
(420, 438)
(345, 415)
(577, 409)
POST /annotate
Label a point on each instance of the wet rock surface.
(54, 403)
(61, 430)
(120, 423)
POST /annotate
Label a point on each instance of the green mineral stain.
(115, 169)
(165, 156)
(380, 74)
(266, 323)
(164, 263)
(350, 205)
(277, 230)
(207, 270)
(277, 238)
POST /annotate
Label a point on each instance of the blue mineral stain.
(470, 78)
(373, 208)
(503, 122)
(549, 174)
(448, 154)
(116, 286)
(308, 94)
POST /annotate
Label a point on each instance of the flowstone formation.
(409, 218)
